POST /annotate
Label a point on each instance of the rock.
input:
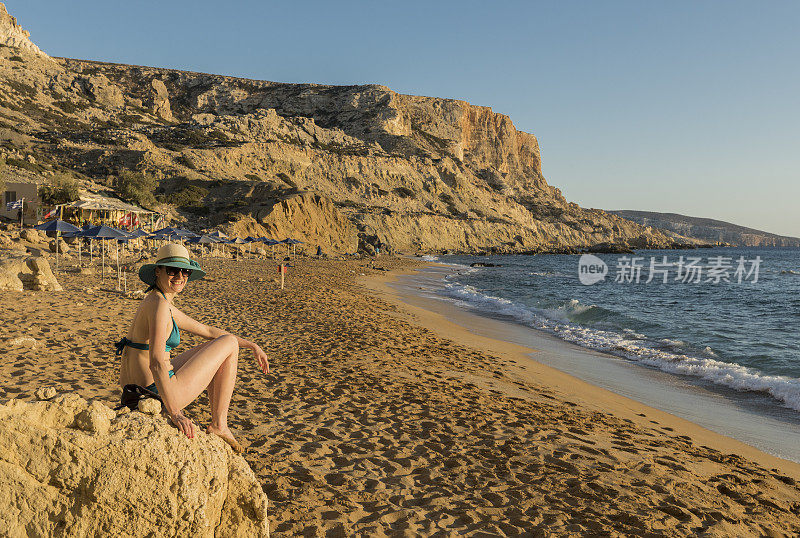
(150, 406)
(23, 341)
(69, 467)
(43, 277)
(33, 236)
(12, 34)
(10, 269)
(96, 418)
(161, 107)
(31, 272)
(45, 393)
(62, 246)
(100, 90)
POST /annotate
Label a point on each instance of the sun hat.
(170, 255)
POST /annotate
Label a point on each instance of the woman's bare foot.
(226, 435)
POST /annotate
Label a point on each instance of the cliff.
(709, 230)
(12, 34)
(418, 174)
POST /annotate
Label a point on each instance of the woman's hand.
(261, 357)
(183, 423)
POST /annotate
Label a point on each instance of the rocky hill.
(709, 230)
(418, 174)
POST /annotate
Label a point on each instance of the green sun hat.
(171, 255)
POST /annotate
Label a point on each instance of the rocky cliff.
(12, 34)
(709, 230)
(416, 173)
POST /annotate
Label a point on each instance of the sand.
(379, 419)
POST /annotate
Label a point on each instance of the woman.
(156, 331)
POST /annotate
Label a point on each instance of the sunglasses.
(175, 271)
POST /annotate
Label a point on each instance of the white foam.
(429, 258)
(664, 355)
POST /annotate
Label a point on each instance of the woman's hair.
(154, 285)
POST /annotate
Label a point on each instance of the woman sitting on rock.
(156, 331)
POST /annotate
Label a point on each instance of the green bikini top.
(172, 342)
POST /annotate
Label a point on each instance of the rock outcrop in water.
(413, 173)
(69, 467)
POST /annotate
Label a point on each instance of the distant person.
(148, 370)
(319, 251)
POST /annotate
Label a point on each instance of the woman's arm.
(159, 366)
(208, 332)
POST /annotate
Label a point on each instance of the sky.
(686, 107)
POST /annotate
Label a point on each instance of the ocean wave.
(429, 258)
(550, 274)
(673, 356)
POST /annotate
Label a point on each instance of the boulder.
(42, 277)
(33, 236)
(69, 467)
(27, 272)
(62, 246)
(160, 96)
(10, 269)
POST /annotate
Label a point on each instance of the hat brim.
(147, 272)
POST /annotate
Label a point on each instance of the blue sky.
(686, 107)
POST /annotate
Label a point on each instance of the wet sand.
(379, 419)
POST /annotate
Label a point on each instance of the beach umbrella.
(201, 240)
(269, 242)
(103, 233)
(294, 243)
(138, 233)
(238, 241)
(79, 235)
(57, 226)
(219, 236)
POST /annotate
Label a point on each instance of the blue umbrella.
(57, 226)
(138, 232)
(289, 241)
(201, 240)
(104, 232)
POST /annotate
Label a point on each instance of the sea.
(725, 320)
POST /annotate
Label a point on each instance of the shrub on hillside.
(189, 197)
(60, 189)
(136, 187)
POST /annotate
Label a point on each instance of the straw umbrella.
(57, 226)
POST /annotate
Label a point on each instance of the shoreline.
(373, 423)
(451, 325)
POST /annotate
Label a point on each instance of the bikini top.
(172, 342)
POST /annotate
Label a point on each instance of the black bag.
(133, 394)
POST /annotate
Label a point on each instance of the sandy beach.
(381, 418)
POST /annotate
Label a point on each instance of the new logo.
(591, 269)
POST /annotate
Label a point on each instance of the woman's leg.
(210, 366)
